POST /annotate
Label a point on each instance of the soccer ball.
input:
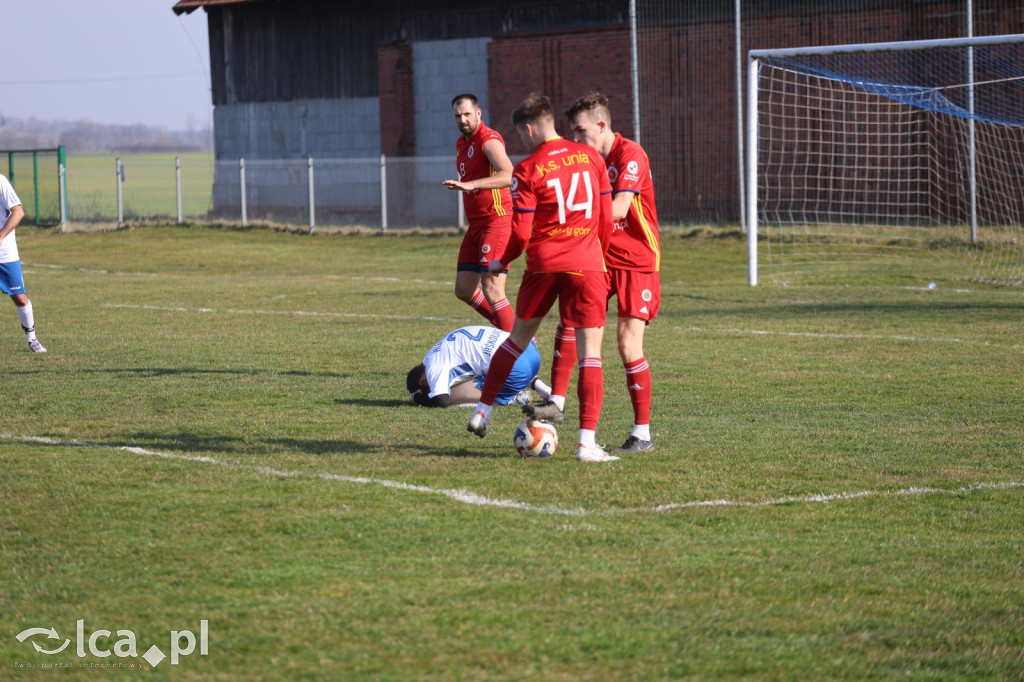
(535, 438)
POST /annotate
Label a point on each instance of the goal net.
(905, 158)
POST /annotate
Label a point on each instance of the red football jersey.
(635, 244)
(561, 200)
(472, 164)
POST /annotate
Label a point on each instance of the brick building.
(356, 80)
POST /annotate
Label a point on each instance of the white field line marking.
(297, 313)
(471, 498)
(354, 278)
(832, 497)
(665, 284)
(392, 280)
(92, 271)
(822, 335)
(464, 496)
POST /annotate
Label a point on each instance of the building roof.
(189, 6)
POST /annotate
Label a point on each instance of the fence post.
(383, 194)
(35, 181)
(312, 200)
(119, 170)
(62, 163)
(177, 180)
(63, 196)
(241, 181)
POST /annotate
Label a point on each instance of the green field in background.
(221, 432)
(149, 190)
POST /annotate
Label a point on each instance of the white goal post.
(903, 151)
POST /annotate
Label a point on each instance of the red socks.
(563, 361)
(638, 381)
(590, 392)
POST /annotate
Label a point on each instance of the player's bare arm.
(621, 203)
(522, 228)
(495, 153)
(17, 213)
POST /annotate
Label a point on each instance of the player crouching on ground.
(454, 370)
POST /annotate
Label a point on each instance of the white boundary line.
(390, 280)
(471, 498)
(822, 335)
(464, 496)
(28, 267)
(354, 278)
(665, 283)
(296, 313)
(697, 330)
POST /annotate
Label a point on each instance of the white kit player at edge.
(12, 281)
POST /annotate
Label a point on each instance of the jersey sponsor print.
(560, 194)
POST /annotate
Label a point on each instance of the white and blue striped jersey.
(462, 354)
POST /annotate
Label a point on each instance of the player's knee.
(493, 291)
(631, 349)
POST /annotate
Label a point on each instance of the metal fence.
(385, 192)
(382, 193)
(35, 175)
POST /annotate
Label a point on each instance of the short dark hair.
(588, 102)
(533, 108)
(412, 379)
(466, 95)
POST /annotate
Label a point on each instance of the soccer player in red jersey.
(485, 172)
(634, 259)
(561, 200)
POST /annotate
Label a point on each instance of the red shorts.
(582, 297)
(483, 243)
(638, 293)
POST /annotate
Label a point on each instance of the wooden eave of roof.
(189, 6)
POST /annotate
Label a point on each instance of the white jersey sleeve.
(8, 199)
(463, 354)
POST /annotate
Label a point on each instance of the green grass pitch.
(220, 433)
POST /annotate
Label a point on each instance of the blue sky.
(108, 61)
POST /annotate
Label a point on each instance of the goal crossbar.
(893, 46)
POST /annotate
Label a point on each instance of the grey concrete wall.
(443, 69)
(350, 129)
(321, 128)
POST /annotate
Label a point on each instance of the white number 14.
(573, 205)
